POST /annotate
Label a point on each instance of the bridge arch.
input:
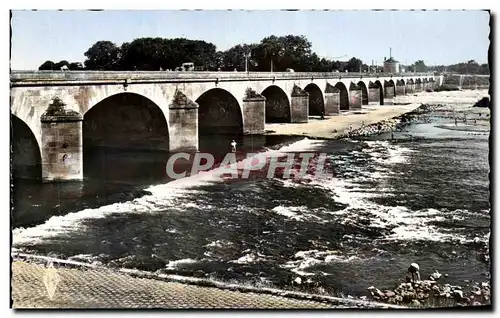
(432, 84)
(390, 88)
(364, 91)
(418, 85)
(219, 113)
(125, 121)
(277, 105)
(26, 158)
(410, 86)
(400, 87)
(425, 84)
(316, 99)
(344, 95)
(378, 85)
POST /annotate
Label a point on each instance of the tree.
(235, 58)
(60, 64)
(483, 69)
(354, 65)
(420, 66)
(283, 52)
(103, 55)
(74, 66)
(155, 53)
(47, 66)
(147, 54)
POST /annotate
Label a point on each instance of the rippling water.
(422, 197)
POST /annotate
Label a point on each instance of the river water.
(420, 196)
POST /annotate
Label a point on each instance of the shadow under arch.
(364, 92)
(219, 113)
(316, 101)
(390, 88)
(26, 158)
(219, 121)
(425, 84)
(378, 85)
(418, 85)
(344, 96)
(125, 141)
(277, 105)
(126, 121)
(410, 86)
(400, 87)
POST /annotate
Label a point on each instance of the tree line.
(469, 67)
(152, 54)
(277, 53)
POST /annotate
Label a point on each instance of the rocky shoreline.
(391, 124)
(429, 293)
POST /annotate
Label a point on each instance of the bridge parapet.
(18, 78)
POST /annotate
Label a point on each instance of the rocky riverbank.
(429, 293)
(392, 124)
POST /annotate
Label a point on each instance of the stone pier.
(62, 143)
(299, 105)
(332, 100)
(183, 122)
(374, 96)
(254, 116)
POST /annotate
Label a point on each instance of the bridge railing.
(57, 76)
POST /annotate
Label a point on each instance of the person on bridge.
(233, 146)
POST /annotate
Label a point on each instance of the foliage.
(103, 55)
(420, 67)
(51, 66)
(470, 67)
(47, 66)
(277, 52)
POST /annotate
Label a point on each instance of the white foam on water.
(175, 264)
(164, 196)
(309, 259)
(218, 244)
(288, 212)
(303, 145)
(249, 258)
(406, 225)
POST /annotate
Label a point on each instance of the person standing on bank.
(233, 145)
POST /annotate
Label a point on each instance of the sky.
(437, 37)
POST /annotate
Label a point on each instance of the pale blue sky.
(437, 37)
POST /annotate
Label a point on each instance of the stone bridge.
(56, 115)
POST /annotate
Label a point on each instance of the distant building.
(391, 65)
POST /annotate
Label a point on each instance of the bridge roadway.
(56, 113)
